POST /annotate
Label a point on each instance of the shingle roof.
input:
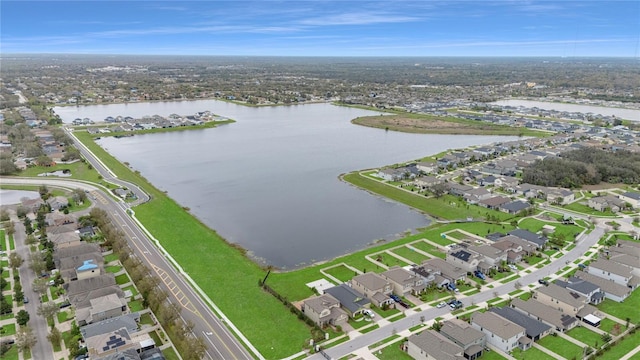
(348, 297)
(559, 293)
(529, 236)
(370, 280)
(533, 327)
(461, 332)
(437, 345)
(543, 312)
(497, 324)
(605, 285)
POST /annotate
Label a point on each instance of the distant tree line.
(588, 166)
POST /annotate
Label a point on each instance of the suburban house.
(78, 290)
(589, 290)
(539, 241)
(501, 333)
(494, 202)
(390, 174)
(325, 310)
(441, 271)
(427, 167)
(560, 321)
(119, 344)
(530, 191)
(464, 259)
(63, 236)
(492, 257)
(32, 205)
(611, 270)
(57, 218)
(404, 281)
(68, 266)
(58, 202)
(476, 195)
(427, 182)
(463, 334)
(535, 329)
(101, 308)
(514, 207)
(458, 189)
(602, 203)
(87, 270)
(431, 345)
(632, 198)
(374, 287)
(559, 298)
(350, 300)
(560, 196)
(611, 289)
(514, 247)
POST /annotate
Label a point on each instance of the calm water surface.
(269, 182)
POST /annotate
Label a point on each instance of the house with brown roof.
(492, 257)
(403, 281)
(559, 298)
(450, 272)
(495, 202)
(431, 345)
(374, 287)
(101, 308)
(466, 336)
(501, 333)
(325, 310)
(602, 203)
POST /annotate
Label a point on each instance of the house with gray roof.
(404, 281)
(589, 290)
(450, 272)
(101, 308)
(611, 289)
(350, 300)
(128, 321)
(611, 270)
(514, 207)
(632, 198)
(535, 329)
(492, 255)
(560, 196)
(464, 259)
(539, 241)
(463, 334)
(325, 310)
(430, 344)
(501, 333)
(374, 287)
(602, 203)
(560, 321)
(494, 202)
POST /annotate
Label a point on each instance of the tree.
(54, 336)
(438, 189)
(48, 310)
(22, 317)
(40, 286)
(37, 263)
(15, 260)
(25, 339)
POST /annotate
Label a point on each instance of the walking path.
(631, 353)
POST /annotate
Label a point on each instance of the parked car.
(513, 267)
(479, 275)
(25, 300)
(368, 313)
(582, 266)
(441, 305)
(395, 298)
(543, 282)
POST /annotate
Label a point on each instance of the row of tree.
(587, 166)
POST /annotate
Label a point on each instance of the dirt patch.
(431, 125)
(603, 186)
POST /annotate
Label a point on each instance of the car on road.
(543, 282)
(582, 266)
(25, 300)
(457, 304)
(441, 305)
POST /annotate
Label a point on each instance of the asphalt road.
(221, 344)
(582, 246)
(42, 349)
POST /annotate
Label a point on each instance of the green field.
(628, 308)
(421, 245)
(586, 336)
(629, 343)
(392, 352)
(341, 272)
(562, 347)
(410, 254)
(531, 353)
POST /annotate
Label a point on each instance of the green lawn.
(584, 209)
(535, 225)
(492, 355)
(623, 347)
(12, 354)
(368, 329)
(79, 170)
(586, 336)
(12, 244)
(135, 305)
(63, 316)
(3, 244)
(628, 308)
(170, 354)
(392, 352)
(561, 346)
(109, 258)
(359, 324)
(132, 288)
(8, 329)
(446, 207)
(607, 325)
(531, 353)
(113, 269)
(146, 319)
(341, 273)
(426, 247)
(122, 279)
(410, 254)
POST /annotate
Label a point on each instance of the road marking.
(175, 290)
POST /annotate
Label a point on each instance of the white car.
(368, 313)
(513, 267)
(441, 305)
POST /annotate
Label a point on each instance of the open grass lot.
(341, 272)
(623, 347)
(628, 308)
(62, 316)
(12, 354)
(535, 225)
(607, 325)
(79, 170)
(109, 258)
(135, 305)
(582, 208)
(446, 207)
(421, 245)
(170, 354)
(392, 352)
(492, 355)
(561, 347)
(113, 269)
(122, 279)
(586, 336)
(531, 353)
(410, 254)
(9, 329)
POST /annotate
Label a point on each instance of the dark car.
(543, 282)
(395, 298)
(25, 300)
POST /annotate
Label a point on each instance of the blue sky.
(324, 28)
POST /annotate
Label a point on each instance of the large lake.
(269, 182)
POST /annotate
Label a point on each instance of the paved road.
(42, 349)
(220, 342)
(582, 246)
